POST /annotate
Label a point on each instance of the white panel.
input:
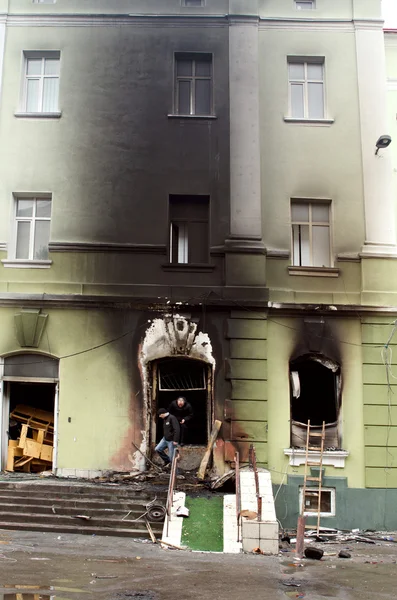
(50, 94)
(23, 237)
(296, 71)
(297, 103)
(316, 100)
(300, 212)
(320, 213)
(32, 95)
(321, 246)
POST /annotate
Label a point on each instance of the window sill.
(38, 115)
(314, 271)
(205, 117)
(331, 458)
(318, 122)
(26, 264)
(188, 267)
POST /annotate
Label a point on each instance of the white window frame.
(310, 4)
(32, 220)
(313, 513)
(304, 83)
(310, 223)
(193, 57)
(182, 243)
(43, 56)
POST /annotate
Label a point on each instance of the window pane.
(32, 95)
(203, 68)
(25, 208)
(320, 213)
(297, 107)
(304, 5)
(184, 68)
(203, 97)
(300, 245)
(300, 213)
(321, 246)
(43, 208)
(316, 100)
(41, 239)
(182, 242)
(296, 71)
(315, 72)
(198, 242)
(51, 66)
(33, 66)
(50, 94)
(23, 235)
(184, 97)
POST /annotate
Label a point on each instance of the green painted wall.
(247, 371)
(380, 402)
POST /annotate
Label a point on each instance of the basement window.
(327, 502)
(315, 384)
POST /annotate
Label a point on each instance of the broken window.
(189, 229)
(327, 502)
(315, 396)
(189, 378)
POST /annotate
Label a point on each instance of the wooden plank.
(23, 461)
(10, 458)
(32, 449)
(22, 439)
(204, 463)
(46, 453)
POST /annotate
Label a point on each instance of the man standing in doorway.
(171, 433)
(183, 411)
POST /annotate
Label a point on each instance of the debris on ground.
(219, 482)
(291, 583)
(344, 554)
(314, 553)
(249, 514)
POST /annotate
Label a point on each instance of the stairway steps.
(54, 507)
(52, 528)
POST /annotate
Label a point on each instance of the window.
(41, 83)
(189, 229)
(195, 3)
(193, 85)
(32, 228)
(311, 246)
(44, 1)
(306, 89)
(327, 502)
(304, 5)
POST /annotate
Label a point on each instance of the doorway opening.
(29, 412)
(176, 377)
(315, 396)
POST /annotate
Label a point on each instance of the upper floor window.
(311, 241)
(32, 227)
(306, 89)
(44, 1)
(193, 84)
(189, 229)
(41, 82)
(195, 3)
(305, 4)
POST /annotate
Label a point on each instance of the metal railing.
(171, 487)
(238, 495)
(252, 461)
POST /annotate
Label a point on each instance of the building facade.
(191, 204)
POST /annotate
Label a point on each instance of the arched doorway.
(315, 396)
(28, 429)
(176, 359)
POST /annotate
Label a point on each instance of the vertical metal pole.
(238, 494)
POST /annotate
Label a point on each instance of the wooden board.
(204, 463)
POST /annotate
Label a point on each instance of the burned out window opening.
(315, 384)
(190, 379)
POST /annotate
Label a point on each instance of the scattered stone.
(314, 553)
(344, 554)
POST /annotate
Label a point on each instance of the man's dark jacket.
(171, 428)
(184, 412)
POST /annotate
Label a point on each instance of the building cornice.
(107, 247)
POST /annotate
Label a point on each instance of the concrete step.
(125, 503)
(66, 509)
(52, 528)
(61, 520)
(38, 487)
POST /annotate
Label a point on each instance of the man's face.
(180, 402)
(163, 415)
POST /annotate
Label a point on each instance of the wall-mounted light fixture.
(383, 142)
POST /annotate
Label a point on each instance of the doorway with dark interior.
(189, 378)
(315, 396)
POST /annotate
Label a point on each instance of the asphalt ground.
(71, 567)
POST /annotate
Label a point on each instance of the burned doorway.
(191, 379)
(315, 396)
(29, 412)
